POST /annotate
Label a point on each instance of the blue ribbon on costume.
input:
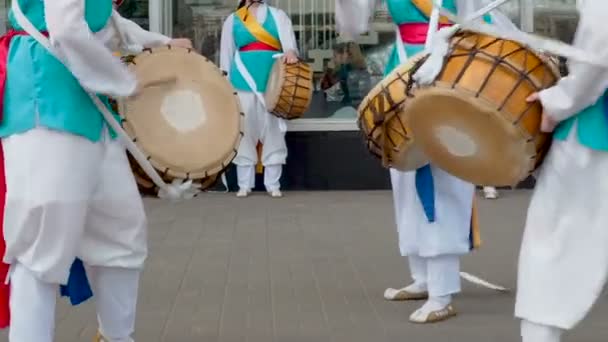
(78, 289)
(425, 187)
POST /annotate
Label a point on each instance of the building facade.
(326, 150)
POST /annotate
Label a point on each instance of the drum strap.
(254, 88)
(178, 189)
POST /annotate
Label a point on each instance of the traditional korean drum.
(474, 121)
(189, 128)
(289, 89)
(383, 121)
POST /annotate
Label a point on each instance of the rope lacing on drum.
(500, 59)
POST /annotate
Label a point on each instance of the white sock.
(416, 287)
(532, 332)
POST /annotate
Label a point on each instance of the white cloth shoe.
(436, 309)
(242, 193)
(414, 291)
(275, 194)
(490, 192)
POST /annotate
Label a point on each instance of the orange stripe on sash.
(426, 7)
(257, 30)
(475, 234)
(259, 168)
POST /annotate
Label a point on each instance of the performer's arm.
(353, 17)
(585, 83)
(227, 45)
(287, 36)
(91, 62)
(137, 35)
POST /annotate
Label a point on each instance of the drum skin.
(474, 120)
(289, 89)
(189, 128)
(383, 122)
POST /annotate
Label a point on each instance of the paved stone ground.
(311, 267)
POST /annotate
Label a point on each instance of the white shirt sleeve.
(353, 17)
(85, 55)
(227, 45)
(135, 35)
(585, 83)
(286, 33)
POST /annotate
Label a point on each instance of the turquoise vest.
(258, 63)
(40, 91)
(591, 126)
(403, 12)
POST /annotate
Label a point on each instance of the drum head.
(189, 128)
(275, 84)
(466, 137)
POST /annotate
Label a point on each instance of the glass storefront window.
(556, 18)
(136, 10)
(344, 72)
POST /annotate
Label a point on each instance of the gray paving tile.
(311, 267)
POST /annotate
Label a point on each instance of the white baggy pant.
(68, 197)
(441, 274)
(563, 263)
(260, 126)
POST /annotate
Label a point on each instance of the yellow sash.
(476, 236)
(257, 30)
(426, 7)
(259, 168)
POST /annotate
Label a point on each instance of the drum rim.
(273, 101)
(197, 175)
(403, 68)
(546, 59)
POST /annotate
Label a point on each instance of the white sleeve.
(286, 33)
(227, 45)
(585, 83)
(353, 16)
(136, 35)
(89, 60)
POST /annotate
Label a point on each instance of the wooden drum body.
(289, 89)
(189, 128)
(383, 121)
(474, 120)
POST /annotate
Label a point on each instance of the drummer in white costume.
(433, 242)
(70, 190)
(563, 264)
(251, 39)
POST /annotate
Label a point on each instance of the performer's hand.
(181, 42)
(547, 123)
(290, 57)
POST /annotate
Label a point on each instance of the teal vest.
(591, 126)
(258, 63)
(403, 12)
(40, 90)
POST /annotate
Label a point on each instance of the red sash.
(258, 46)
(415, 33)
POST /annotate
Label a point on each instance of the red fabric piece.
(415, 33)
(257, 46)
(4, 288)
